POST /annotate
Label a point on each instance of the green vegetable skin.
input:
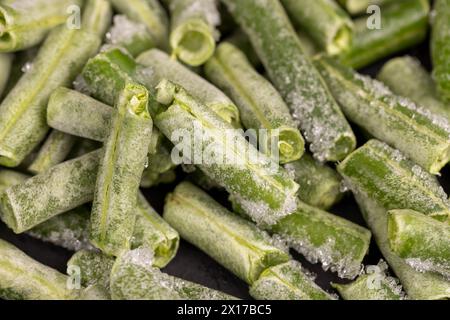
(237, 244)
(26, 279)
(134, 278)
(287, 281)
(422, 241)
(151, 14)
(94, 267)
(58, 190)
(260, 105)
(24, 24)
(277, 45)
(120, 171)
(256, 182)
(131, 35)
(374, 284)
(107, 73)
(54, 151)
(5, 70)
(406, 77)
(360, 6)
(368, 177)
(412, 129)
(61, 57)
(329, 25)
(69, 230)
(403, 25)
(319, 236)
(440, 47)
(193, 35)
(320, 185)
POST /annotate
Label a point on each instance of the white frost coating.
(124, 30)
(345, 268)
(426, 266)
(27, 67)
(66, 238)
(381, 269)
(206, 9)
(142, 257)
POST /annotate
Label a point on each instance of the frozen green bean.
(77, 114)
(387, 176)
(160, 169)
(403, 24)
(355, 7)
(22, 278)
(277, 45)
(23, 123)
(131, 35)
(261, 107)
(55, 150)
(193, 32)
(237, 244)
(414, 130)
(120, 171)
(24, 24)
(440, 47)
(151, 14)
(373, 284)
(374, 207)
(5, 70)
(134, 278)
(287, 281)
(320, 185)
(95, 267)
(319, 236)
(406, 77)
(423, 242)
(256, 182)
(153, 232)
(160, 66)
(58, 190)
(323, 20)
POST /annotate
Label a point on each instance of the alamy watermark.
(374, 20)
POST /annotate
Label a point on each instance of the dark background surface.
(192, 264)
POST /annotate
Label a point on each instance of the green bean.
(403, 25)
(134, 278)
(360, 6)
(58, 190)
(10, 178)
(373, 284)
(160, 169)
(151, 14)
(24, 24)
(153, 232)
(77, 114)
(374, 205)
(387, 176)
(238, 245)
(160, 66)
(319, 236)
(54, 151)
(277, 45)
(120, 171)
(61, 57)
(422, 241)
(22, 278)
(5, 70)
(406, 77)
(255, 181)
(421, 135)
(287, 281)
(131, 35)
(260, 105)
(97, 16)
(329, 25)
(94, 292)
(94, 267)
(320, 185)
(193, 33)
(440, 47)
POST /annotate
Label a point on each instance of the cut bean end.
(193, 42)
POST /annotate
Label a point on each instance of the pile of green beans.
(102, 99)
